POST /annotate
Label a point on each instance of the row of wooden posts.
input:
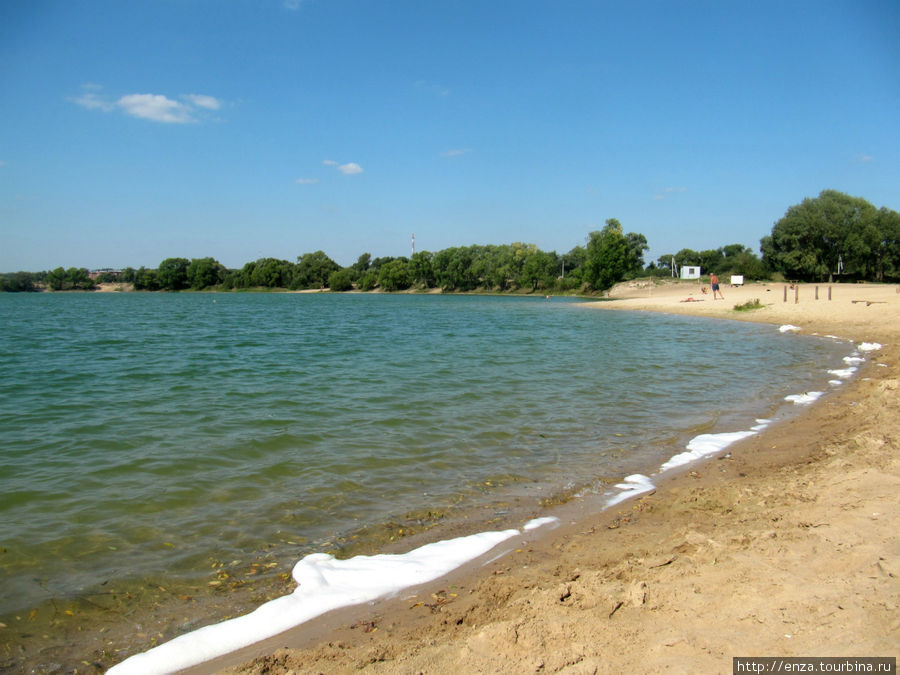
(796, 288)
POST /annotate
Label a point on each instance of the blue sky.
(135, 131)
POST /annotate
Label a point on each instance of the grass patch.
(749, 305)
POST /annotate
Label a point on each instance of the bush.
(749, 305)
(368, 281)
(340, 281)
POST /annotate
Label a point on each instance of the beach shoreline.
(781, 545)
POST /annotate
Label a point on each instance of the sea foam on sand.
(324, 584)
(704, 446)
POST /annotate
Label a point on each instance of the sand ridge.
(786, 545)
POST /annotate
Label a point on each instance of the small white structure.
(688, 272)
(737, 279)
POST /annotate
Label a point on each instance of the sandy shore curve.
(786, 545)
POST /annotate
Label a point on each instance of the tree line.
(832, 234)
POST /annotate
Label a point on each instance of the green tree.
(56, 279)
(78, 278)
(538, 271)
(686, 256)
(368, 280)
(609, 257)
(711, 261)
(204, 272)
(313, 270)
(886, 259)
(637, 244)
(18, 282)
(341, 280)
(146, 279)
(833, 233)
(172, 274)
(269, 273)
(420, 270)
(666, 262)
(362, 264)
(393, 276)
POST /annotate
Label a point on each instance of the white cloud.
(865, 158)
(92, 101)
(156, 108)
(153, 107)
(350, 168)
(456, 152)
(292, 5)
(203, 101)
(306, 181)
(676, 189)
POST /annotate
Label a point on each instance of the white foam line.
(760, 425)
(788, 327)
(324, 584)
(843, 373)
(632, 485)
(540, 522)
(703, 446)
(804, 399)
(868, 347)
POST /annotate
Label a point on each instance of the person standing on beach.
(714, 282)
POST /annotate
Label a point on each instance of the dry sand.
(785, 546)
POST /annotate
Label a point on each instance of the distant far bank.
(129, 288)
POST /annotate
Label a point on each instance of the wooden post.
(796, 293)
(829, 292)
(817, 292)
(785, 294)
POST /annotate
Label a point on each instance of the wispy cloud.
(152, 107)
(864, 159)
(306, 181)
(456, 152)
(292, 5)
(676, 189)
(350, 168)
(203, 101)
(93, 101)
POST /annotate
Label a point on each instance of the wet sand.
(786, 545)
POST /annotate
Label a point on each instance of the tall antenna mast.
(414, 243)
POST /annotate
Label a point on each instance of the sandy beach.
(785, 545)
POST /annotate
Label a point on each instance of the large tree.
(393, 276)
(611, 255)
(205, 272)
(313, 269)
(172, 273)
(831, 234)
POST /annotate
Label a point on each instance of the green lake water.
(166, 436)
